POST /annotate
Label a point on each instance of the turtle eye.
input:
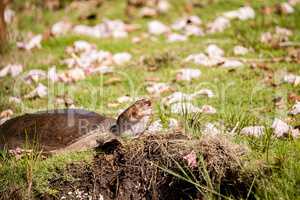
(114, 129)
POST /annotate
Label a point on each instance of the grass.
(242, 97)
(32, 172)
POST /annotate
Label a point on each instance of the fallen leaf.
(177, 97)
(255, 131)
(243, 13)
(173, 123)
(218, 25)
(122, 58)
(76, 74)
(60, 28)
(185, 22)
(295, 133)
(63, 77)
(158, 88)
(191, 158)
(187, 74)
(275, 38)
(4, 71)
(155, 127)
(229, 63)
(293, 97)
(88, 31)
(214, 51)
(157, 28)
(11, 69)
(136, 40)
(280, 128)
(148, 12)
(263, 66)
(163, 6)
(183, 97)
(285, 8)
(35, 75)
(108, 28)
(246, 12)
(292, 79)
(184, 108)
(65, 100)
(202, 59)
(175, 37)
(294, 54)
(40, 91)
(240, 50)
(283, 31)
(293, 2)
(82, 46)
(33, 42)
(295, 109)
(210, 129)
(192, 30)
(18, 153)
(207, 109)
(179, 24)
(99, 70)
(279, 102)
(15, 100)
(266, 37)
(86, 56)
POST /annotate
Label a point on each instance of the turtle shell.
(51, 130)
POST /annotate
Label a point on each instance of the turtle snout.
(148, 103)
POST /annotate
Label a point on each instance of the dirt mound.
(153, 167)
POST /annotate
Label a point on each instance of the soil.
(144, 169)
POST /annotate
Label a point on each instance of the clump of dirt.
(153, 167)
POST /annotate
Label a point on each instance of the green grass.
(36, 170)
(242, 97)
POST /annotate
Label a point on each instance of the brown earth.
(150, 167)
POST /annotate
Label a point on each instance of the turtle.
(53, 130)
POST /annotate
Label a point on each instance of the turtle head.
(134, 120)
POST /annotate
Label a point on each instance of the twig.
(261, 60)
(289, 44)
(252, 184)
(234, 129)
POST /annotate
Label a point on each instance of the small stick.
(234, 129)
(289, 44)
